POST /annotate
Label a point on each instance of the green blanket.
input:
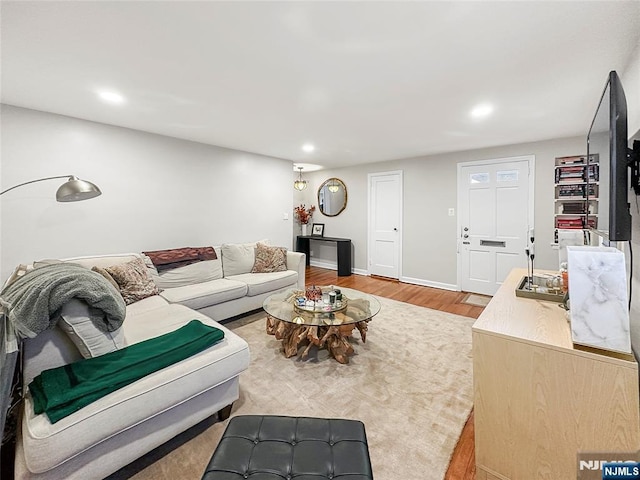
(61, 391)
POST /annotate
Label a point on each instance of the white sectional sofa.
(108, 434)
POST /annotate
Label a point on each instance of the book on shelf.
(574, 208)
(565, 174)
(576, 222)
(575, 160)
(575, 190)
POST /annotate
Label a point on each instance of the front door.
(385, 217)
(495, 200)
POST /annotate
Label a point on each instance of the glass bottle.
(564, 273)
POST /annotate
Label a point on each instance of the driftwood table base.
(334, 337)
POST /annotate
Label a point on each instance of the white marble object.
(567, 238)
(598, 298)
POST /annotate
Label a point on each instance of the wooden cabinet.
(576, 192)
(538, 400)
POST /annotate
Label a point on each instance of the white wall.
(630, 79)
(430, 237)
(158, 192)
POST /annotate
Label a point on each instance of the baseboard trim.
(334, 266)
(429, 283)
(323, 264)
(358, 271)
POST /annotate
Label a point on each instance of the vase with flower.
(303, 216)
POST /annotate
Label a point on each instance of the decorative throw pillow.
(269, 259)
(75, 321)
(133, 280)
(108, 276)
(237, 258)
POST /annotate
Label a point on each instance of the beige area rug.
(477, 300)
(410, 383)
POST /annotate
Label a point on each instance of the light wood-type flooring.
(463, 463)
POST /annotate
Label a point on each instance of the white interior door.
(495, 202)
(385, 218)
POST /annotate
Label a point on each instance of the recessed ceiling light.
(111, 97)
(483, 110)
(307, 147)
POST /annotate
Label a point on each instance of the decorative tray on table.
(320, 307)
(539, 289)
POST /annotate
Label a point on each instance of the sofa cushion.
(259, 283)
(133, 280)
(149, 397)
(239, 258)
(269, 259)
(201, 295)
(103, 261)
(145, 305)
(200, 272)
(49, 349)
(75, 321)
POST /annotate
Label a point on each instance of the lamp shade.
(75, 190)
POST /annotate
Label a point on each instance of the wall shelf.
(576, 192)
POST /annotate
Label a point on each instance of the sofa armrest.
(297, 261)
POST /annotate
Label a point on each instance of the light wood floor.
(463, 464)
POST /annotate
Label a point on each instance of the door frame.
(401, 220)
(531, 159)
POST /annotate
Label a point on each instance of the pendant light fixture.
(300, 184)
(333, 186)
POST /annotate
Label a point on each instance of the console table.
(342, 244)
(539, 400)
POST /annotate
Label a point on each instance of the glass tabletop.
(356, 307)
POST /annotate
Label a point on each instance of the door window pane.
(479, 178)
(507, 176)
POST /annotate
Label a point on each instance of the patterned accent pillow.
(106, 275)
(269, 259)
(133, 280)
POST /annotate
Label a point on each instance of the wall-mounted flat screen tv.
(607, 145)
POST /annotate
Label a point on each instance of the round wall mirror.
(332, 197)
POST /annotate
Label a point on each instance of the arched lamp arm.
(38, 180)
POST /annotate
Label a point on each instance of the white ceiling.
(363, 81)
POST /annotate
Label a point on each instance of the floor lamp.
(73, 190)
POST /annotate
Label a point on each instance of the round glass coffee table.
(298, 323)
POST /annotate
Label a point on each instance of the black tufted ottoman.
(291, 448)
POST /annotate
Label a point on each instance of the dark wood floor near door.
(463, 464)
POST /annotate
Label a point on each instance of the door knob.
(465, 236)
